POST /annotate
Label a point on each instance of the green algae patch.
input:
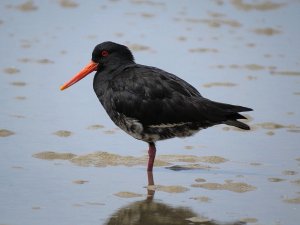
(192, 159)
(219, 84)
(238, 187)
(286, 73)
(80, 181)
(289, 172)
(249, 220)
(267, 31)
(199, 219)
(203, 199)
(191, 167)
(6, 133)
(275, 179)
(48, 155)
(200, 180)
(292, 200)
(259, 6)
(105, 159)
(139, 47)
(11, 70)
(168, 189)
(125, 194)
(296, 182)
(27, 6)
(63, 133)
(95, 127)
(18, 83)
(68, 4)
(203, 50)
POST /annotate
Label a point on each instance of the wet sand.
(64, 162)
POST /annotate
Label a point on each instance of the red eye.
(104, 53)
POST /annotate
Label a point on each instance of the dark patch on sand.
(252, 67)
(18, 83)
(203, 50)
(188, 147)
(44, 61)
(80, 181)
(147, 15)
(296, 182)
(191, 167)
(18, 116)
(54, 156)
(204, 199)
(169, 189)
(266, 31)
(192, 159)
(147, 2)
(199, 219)
(109, 132)
(200, 180)
(95, 127)
(138, 47)
(6, 133)
(27, 6)
(219, 84)
(68, 4)
(125, 194)
(11, 70)
(289, 172)
(275, 179)
(292, 200)
(181, 38)
(17, 167)
(20, 98)
(216, 22)
(260, 6)
(255, 164)
(238, 187)
(104, 159)
(249, 220)
(63, 133)
(286, 73)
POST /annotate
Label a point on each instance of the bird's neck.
(116, 64)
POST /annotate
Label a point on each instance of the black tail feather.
(233, 115)
(238, 124)
(233, 108)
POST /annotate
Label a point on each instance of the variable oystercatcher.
(151, 104)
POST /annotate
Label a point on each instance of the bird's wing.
(155, 97)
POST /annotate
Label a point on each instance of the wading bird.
(151, 104)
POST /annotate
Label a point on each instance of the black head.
(110, 52)
(106, 56)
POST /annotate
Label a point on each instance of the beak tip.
(62, 88)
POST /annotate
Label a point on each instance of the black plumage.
(151, 104)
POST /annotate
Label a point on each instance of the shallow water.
(64, 162)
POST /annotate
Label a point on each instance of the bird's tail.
(233, 115)
(238, 124)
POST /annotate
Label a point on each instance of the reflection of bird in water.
(157, 213)
(151, 104)
(150, 212)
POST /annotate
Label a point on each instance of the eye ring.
(104, 53)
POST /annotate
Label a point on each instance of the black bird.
(151, 104)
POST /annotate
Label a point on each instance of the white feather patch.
(168, 125)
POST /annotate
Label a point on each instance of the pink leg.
(150, 191)
(151, 153)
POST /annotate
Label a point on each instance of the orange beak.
(90, 67)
